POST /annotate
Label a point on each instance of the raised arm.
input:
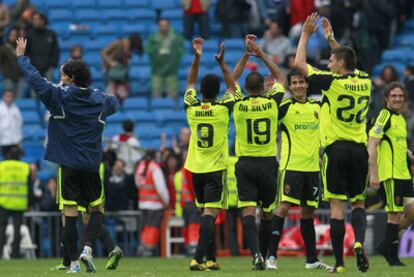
(308, 28)
(273, 68)
(193, 73)
(228, 78)
(372, 162)
(241, 64)
(329, 34)
(46, 90)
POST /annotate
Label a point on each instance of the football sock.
(93, 228)
(265, 231)
(276, 233)
(337, 239)
(250, 231)
(206, 235)
(359, 224)
(307, 230)
(70, 237)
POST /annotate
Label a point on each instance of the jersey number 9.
(361, 113)
(262, 136)
(205, 134)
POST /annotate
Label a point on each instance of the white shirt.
(129, 151)
(10, 124)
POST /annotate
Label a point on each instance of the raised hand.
(220, 56)
(248, 38)
(269, 81)
(327, 29)
(310, 25)
(256, 50)
(21, 46)
(198, 46)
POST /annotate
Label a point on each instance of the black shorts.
(299, 188)
(393, 192)
(345, 170)
(257, 181)
(209, 189)
(78, 187)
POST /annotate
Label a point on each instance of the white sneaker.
(74, 267)
(318, 265)
(271, 263)
(87, 259)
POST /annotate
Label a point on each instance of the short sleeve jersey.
(209, 125)
(256, 119)
(346, 98)
(391, 128)
(299, 125)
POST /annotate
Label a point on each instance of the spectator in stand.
(275, 44)
(76, 52)
(4, 19)
(118, 190)
(13, 76)
(172, 165)
(196, 11)
(409, 81)
(153, 199)
(127, 147)
(116, 57)
(48, 196)
(42, 46)
(257, 17)
(10, 123)
(18, 9)
(232, 14)
(183, 141)
(165, 49)
(300, 9)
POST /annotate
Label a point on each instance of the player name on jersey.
(256, 108)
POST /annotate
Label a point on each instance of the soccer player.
(256, 120)
(299, 168)
(388, 166)
(115, 252)
(346, 94)
(77, 120)
(208, 150)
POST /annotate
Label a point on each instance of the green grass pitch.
(179, 267)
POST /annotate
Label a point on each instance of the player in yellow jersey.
(256, 120)
(389, 168)
(207, 158)
(299, 168)
(346, 94)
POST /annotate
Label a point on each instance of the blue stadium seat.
(118, 117)
(404, 41)
(395, 55)
(409, 26)
(61, 4)
(80, 34)
(108, 30)
(128, 29)
(136, 104)
(137, 4)
(30, 117)
(234, 44)
(97, 74)
(140, 60)
(88, 16)
(44, 176)
(112, 129)
(93, 59)
(173, 118)
(163, 104)
(172, 14)
(162, 4)
(152, 143)
(25, 104)
(60, 15)
(144, 118)
(177, 25)
(114, 16)
(83, 4)
(149, 133)
(211, 45)
(33, 151)
(96, 45)
(140, 73)
(142, 15)
(34, 134)
(110, 4)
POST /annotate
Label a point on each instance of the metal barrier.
(125, 227)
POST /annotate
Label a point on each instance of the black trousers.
(17, 222)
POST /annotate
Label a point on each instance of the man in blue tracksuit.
(77, 120)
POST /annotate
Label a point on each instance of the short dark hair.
(393, 85)
(295, 72)
(128, 125)
(410, 68)
(254, 82)
(79, 71)
(210, 86)
(42, 16)
(14, 153)
(394, 74)
(347, 54)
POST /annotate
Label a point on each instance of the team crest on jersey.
(398, 200)
(315, 113)
(254, 102)
(287, 189)
(378, 130)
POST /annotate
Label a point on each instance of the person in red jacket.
(153, 198)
